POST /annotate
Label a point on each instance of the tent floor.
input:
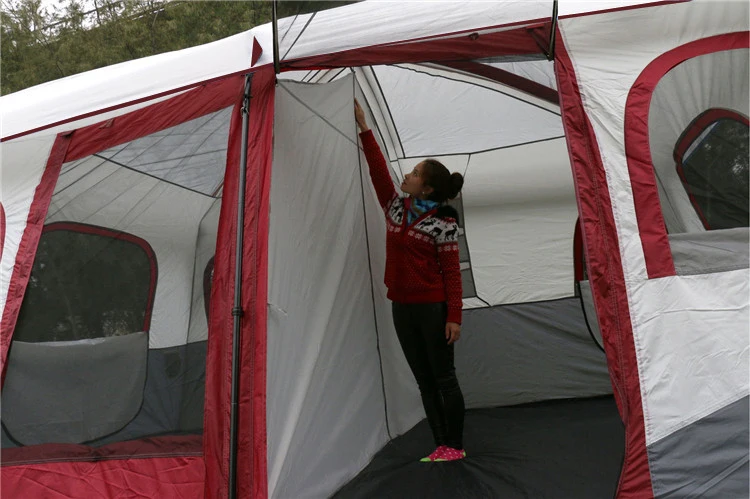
(568, 449)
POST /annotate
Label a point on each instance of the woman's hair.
(444, 184)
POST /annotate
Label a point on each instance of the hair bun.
(457, 183)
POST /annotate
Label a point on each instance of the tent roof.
(349, 27)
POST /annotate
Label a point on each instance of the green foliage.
(39, 44)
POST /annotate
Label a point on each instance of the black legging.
(421, 331)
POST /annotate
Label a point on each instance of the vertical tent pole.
(275, 21)
(237, 309)
(553, 29)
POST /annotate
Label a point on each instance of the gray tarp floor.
(567, 449)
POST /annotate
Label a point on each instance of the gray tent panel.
(710, 251)
(714, 447)
(527, 352)
(62, 391)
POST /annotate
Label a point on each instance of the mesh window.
(714, 172)
(87, 283)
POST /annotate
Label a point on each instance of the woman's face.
(414, 183)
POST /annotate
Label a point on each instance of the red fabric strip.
(29, 242)
(604, 264)
(252, 480)
(2, 229)
(252, 443)
(157, 478)
(651, 226)
(469, 46)
(219, 355)
(177, 445)
(507, 78)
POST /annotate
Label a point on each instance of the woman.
(423, 277)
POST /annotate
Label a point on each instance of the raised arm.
(381, 177)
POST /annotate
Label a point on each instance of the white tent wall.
(520, 215)
(326, 415)
(689, 89)
(23, 162)
(430, 109)
(205, 250)
(690, 332)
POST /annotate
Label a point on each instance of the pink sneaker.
(450, 454)
(436, 454)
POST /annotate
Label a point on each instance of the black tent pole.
(237, 309)
(551, 50)
(275, 24)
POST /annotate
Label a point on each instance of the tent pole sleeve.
(275, 18)
(237, 309)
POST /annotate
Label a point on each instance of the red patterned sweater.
(422, 263)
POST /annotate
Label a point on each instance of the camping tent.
(121, 190)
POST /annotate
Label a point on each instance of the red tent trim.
(604, 265)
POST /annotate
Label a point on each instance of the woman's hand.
(452, 332)
(359, 116)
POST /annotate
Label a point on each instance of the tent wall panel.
(519, 206)
(325, 406)
(427, 110)
(23, 164)
(23, 256)
(514, 354)
(720, 439)
(689, 338)
(204, 255)
(665, 313)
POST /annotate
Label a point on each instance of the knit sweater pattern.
(422, 259)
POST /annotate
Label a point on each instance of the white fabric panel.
(696, 85)
(542, 72)
(22, 164)
(520, 211)
(164, 215)
(384, 21)
(377, 22)
(692, 348)
(206, 248)
(436, 116)
(690, 331)
(484, 82)
(122, 83)
(326, 417)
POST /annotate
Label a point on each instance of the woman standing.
(423, 277)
